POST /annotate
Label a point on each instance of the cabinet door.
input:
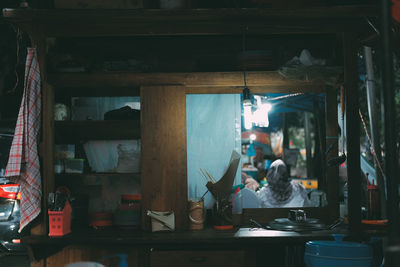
(199, 258)
(103, 255)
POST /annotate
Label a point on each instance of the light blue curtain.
(213, 131)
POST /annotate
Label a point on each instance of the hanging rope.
(370, 143)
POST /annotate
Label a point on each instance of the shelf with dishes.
(94, 174)
(80, 180)
(73, 131)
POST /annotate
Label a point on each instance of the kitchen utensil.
(297, 221)
(285, 224)
(60, 221)
(50, 201)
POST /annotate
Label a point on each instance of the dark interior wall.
(11, 70)
(191, 53)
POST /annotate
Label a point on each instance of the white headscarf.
(278, 181)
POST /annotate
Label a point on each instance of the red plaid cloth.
(23, 163)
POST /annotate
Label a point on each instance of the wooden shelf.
(80, 182)
(98, 91)
(101, 174)
(113, 22)
(195, 82)
(75, 131)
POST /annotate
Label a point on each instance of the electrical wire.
(283, 96)
(18, 40)
(370, 143)
(244, 50)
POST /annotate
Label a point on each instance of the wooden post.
(352, 133)
(320, 146)
(164, 158)
(332, 172)
(46, 151)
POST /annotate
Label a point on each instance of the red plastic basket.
(60, 221)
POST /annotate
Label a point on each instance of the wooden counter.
(241, 247)
(209, 236)
(43, 246)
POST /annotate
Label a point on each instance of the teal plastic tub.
(337, 253)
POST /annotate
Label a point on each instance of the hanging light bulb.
(260, 116)
(247, 114)
(248, 122)
(247, 105)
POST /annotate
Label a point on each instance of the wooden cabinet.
(163, 122)
(104, 255)
(111, 163)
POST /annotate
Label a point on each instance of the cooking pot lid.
(285, 224)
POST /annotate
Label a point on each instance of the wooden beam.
(65, 22)
(164, 159)
(183, 15)
(40, 226)
(196, 82)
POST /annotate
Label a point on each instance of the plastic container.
(128, 213)
(60, 221)
(196, 214)
(64, 151)
(58, 166)
(61, 112)
(123, 259)
(337, 253)
(237, 206)
(74, 165)
(373, 201)
(100, 220)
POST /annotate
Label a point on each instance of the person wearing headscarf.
(280, 192)
(249, 182)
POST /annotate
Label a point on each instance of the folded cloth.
(23, 164)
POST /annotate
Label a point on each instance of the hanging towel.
(23, 164)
